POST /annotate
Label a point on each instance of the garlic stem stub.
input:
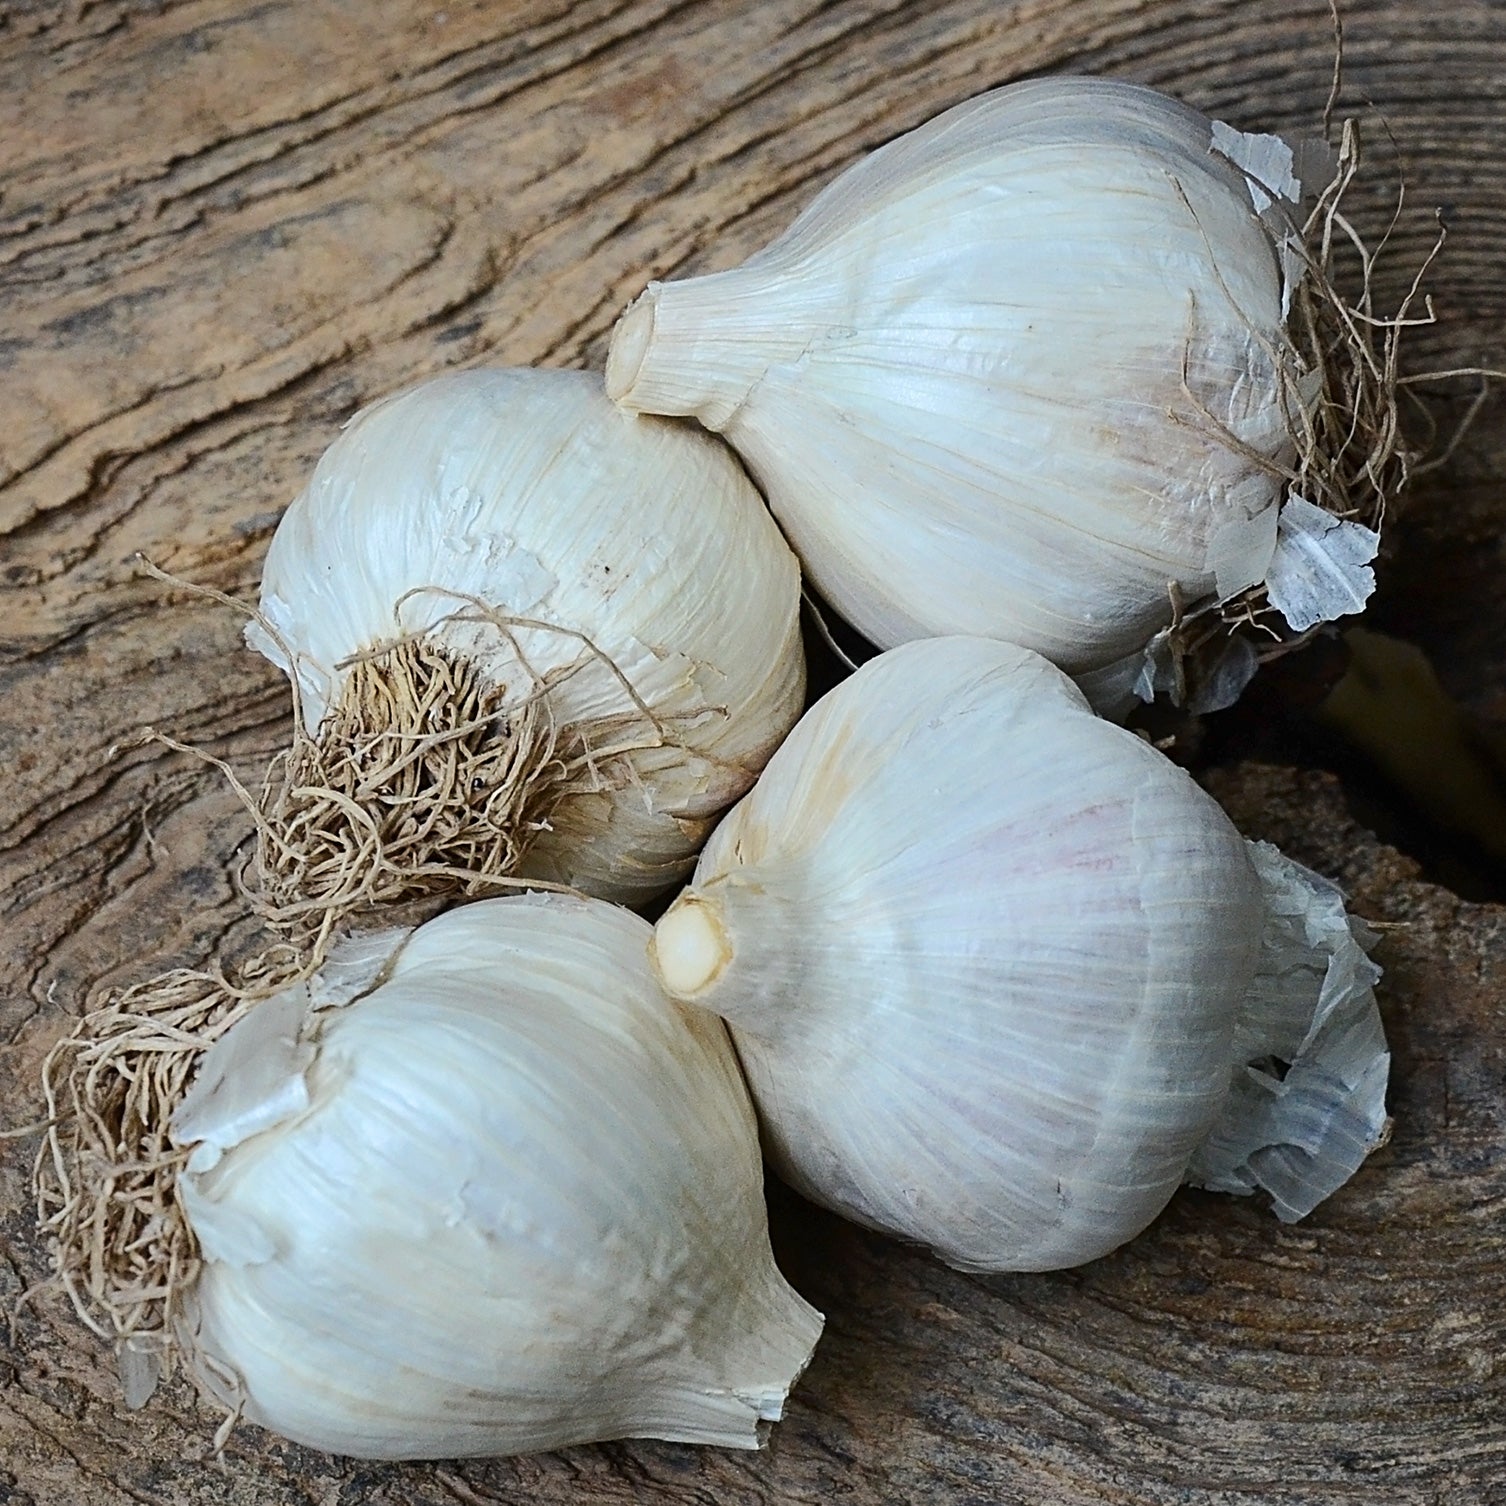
(1002, 977)
(529, 635)
(1045, 369)
(492, 1192)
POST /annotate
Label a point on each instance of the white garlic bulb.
(992, 964)
(1023, 372)
(509, 1198)
(571, 635)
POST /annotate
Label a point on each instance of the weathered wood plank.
(224, 225)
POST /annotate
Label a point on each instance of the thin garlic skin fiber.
(993, 967)
(1022, 373)
(508, 1198)
(620, 576)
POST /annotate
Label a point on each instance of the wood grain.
(225, 224)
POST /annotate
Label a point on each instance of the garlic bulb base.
(1307, 1101)
(381, 803)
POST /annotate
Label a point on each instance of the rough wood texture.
(224, 224)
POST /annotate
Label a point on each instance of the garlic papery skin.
(510, 1198)
(1023, 372)
(581, 629)
(991, 963)
(1308, 1099)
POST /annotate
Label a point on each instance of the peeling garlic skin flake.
(1009, 375)
(983, 985)
(522, 1209)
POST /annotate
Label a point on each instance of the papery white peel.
(1268, 162)
(140, 1365)
(1271, 169)
(250, 1080)
(1321, 567)
(1308, 1100)
(1117, 689)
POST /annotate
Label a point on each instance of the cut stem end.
(630, 342)
(690, 947)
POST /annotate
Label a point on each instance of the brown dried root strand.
(428, 779)
(106, 1177)
(422, 780)
(1351, 457)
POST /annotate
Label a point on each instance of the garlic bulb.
(534, 635)
(485, 1191)
(1023, 372)
(993, 966)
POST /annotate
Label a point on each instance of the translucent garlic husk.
(1022, 372)
(601, 604)
(1001, 976)
(507, 1197)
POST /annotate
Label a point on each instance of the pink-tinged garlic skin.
(981, 953)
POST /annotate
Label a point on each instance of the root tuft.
(106, 1177)
(1339, 376)
(428, 779)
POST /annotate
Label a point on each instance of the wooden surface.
(225, 224)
